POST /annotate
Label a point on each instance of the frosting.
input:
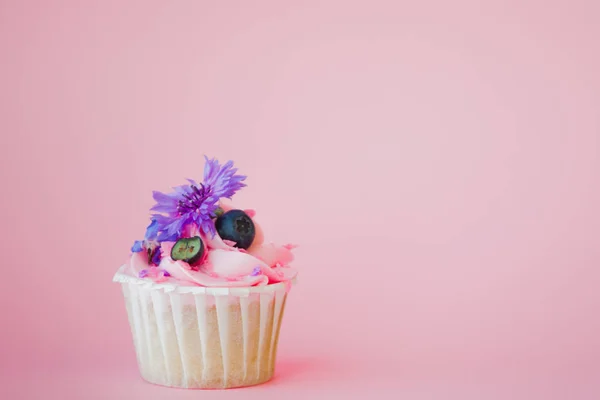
(192, 211)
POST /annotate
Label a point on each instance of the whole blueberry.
(236, 226)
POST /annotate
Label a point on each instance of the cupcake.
(204, 292)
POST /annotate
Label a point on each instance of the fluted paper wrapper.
(204, 338)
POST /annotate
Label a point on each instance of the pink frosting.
(223, 265)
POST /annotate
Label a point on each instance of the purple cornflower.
(195, 203)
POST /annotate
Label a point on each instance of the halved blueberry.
(189, 250)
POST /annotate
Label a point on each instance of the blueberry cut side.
(189, 250)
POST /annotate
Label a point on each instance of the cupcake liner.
(204, 338)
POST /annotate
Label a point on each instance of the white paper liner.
(204, 338)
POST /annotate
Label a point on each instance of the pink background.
(438, 162)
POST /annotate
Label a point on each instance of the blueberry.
(236, 226)
(189, 250)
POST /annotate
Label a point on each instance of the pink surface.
(438, 162)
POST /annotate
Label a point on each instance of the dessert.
(204, 292)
